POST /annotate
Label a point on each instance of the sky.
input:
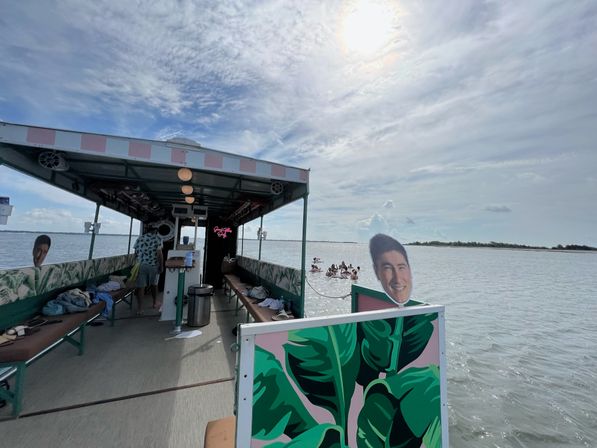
(470, 120)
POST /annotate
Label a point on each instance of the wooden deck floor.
(132, 388)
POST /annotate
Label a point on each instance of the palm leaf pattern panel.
(283, 276)
(15, 284)
(18, 284)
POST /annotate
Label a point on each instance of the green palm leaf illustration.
(381, 341)
(325, 435)
(274, 395)
(417, 331)
(389, 345)
(402, 411)
(323, 362)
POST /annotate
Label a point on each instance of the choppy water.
(521, 329)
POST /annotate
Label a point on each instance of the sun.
(368, 26)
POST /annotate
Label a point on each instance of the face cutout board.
(364, 379)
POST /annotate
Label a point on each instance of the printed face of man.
(393, 272)
(39, 254)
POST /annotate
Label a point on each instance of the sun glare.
(367, 26)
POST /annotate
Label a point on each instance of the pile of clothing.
(71, 301)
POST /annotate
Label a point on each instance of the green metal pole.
(304, 254)
(130, 235)
(260, 238)
(18, 393)
(97, 207)
(178, 324)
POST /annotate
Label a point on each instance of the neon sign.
(222, 231)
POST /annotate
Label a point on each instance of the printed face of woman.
(393, 272)
(39, 254)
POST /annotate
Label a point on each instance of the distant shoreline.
(494, 245)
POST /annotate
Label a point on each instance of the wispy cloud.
(11, 181)
(50, 217)
(498, 208)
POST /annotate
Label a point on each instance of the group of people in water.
(341, 270)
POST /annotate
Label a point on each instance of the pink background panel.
(367, 303)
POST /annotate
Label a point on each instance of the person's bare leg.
(139, 294)
(154, 294)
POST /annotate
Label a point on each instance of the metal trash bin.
(199, 307)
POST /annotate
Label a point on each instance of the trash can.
(199, 307)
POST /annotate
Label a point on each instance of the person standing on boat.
(41, 246)
(392, 269)
(148, 249)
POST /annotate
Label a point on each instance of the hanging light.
(185, 174)
(189, 199)
(187, 189)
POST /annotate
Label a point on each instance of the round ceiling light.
(187, 189)
(185, 174)
(189, 199)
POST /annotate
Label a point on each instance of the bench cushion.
(27, 347)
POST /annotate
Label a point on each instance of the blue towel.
(106, 297)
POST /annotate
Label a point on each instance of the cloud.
(48, 217)
(454, 168)
(531, 177)
(368, 227)
(498, 209)
(11, 180)
(485, 94)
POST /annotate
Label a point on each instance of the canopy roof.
(139, 178)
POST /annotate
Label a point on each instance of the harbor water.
(521, 328)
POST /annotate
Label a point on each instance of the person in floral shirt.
(148, 249)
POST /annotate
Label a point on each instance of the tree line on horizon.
(501, 245)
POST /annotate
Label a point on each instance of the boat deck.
(133, 386)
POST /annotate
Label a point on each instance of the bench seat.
(15, 357)
(25, 348)
(259, 313)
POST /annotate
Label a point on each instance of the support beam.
(304, 250)
(97, 207)
(130, 235)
